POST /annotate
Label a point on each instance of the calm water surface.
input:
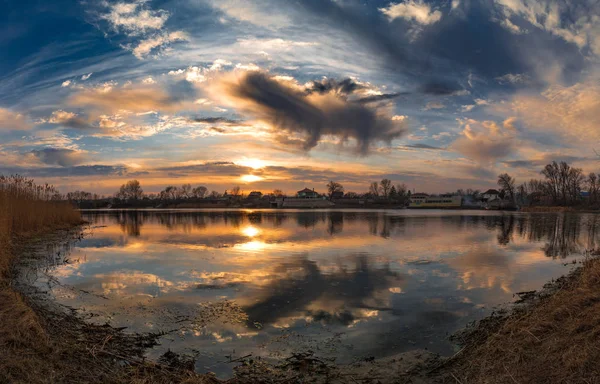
(345, 284)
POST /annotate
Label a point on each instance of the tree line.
(562, 185)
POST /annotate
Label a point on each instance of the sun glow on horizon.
(251, 178)
(252, 163)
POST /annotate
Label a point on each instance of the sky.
(266, 94)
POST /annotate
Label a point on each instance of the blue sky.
(267, 94)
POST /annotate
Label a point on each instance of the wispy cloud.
(413, 10)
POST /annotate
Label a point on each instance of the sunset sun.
(251, 178)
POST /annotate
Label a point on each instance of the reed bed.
(27, 208)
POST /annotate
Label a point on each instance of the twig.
(527, 330)
(509, 374)
(455, 378)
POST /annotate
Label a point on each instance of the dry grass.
(40, 345)
(555, 340)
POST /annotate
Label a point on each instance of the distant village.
(563, 186)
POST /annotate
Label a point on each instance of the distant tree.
(351, 195)
(186, 191)
(132, 190)
(171, 192)
(507, 185)
(215, 194)
(278, 193)
(199, 192)
(374, 189)
(333, 187)
(593, 186)
(401, 189)
(236, 191)
(393, 193)
(385, 186)
(79, 196)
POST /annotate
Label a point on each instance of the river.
(347, 284)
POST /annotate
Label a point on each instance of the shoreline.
(73, 349)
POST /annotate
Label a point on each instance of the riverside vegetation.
(39, 344)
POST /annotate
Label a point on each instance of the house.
(490, 195)
(255, 195)
(307, 194)
(423, 200)
(418, 198)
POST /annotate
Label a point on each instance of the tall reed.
(27, 208)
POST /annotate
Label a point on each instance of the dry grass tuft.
(555, 340)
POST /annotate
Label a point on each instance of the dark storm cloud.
(440, 88)
(76, 171)
(471, 41)
(291, 111)
(59, 156)
(539, 163)
(376, 98)
(216, 120)
(345, 86)
(372, 29)
(423, 146)
(219, 168)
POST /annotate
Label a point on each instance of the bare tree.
(236, 191)
(386, 185)
(132, 190)
(186, 191)
(170, 193)
(593, 186)
(278, 193)
(374, 189)
(507, 184)
(333, 187)
(200, 192)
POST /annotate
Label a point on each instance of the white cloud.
(85, 77)
(262, 45)
(195, 74)
(467, 108)
(412, 10)
(149, 80)
(485, 141)
(66, 83)
(517, 78)
(61, 116)
(133, 19)
(434, 105)
(455, 4)
(10, 120)
(251, 12)
(158, 42)
(218, 64)
(571, 112)
(247, 67)
(577, 25)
